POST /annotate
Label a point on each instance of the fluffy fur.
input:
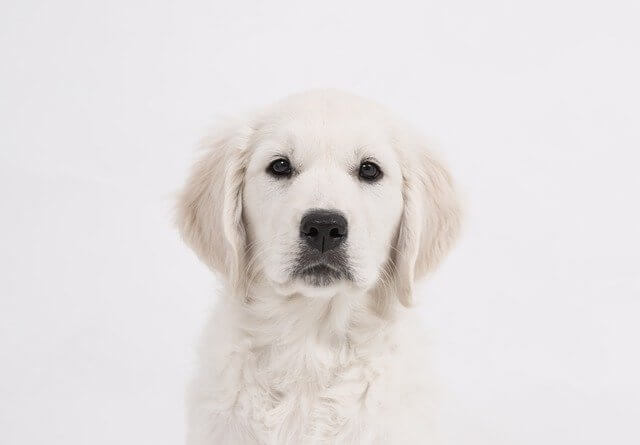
(286, 362)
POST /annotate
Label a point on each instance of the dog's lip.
(329, 266)
(319, 267)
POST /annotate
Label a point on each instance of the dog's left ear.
(209, 211)
(430, 220)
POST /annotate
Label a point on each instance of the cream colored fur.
(283, 362)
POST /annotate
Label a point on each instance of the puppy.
(318, 213)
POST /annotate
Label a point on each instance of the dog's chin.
(320, 275)
(320, 287)
(317, 280)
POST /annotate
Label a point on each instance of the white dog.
(319, 213)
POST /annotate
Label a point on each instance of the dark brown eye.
(369, 171)
(280, 167)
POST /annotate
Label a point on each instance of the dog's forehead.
(310, 134)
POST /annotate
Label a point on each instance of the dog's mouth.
(320, 275)
(321, 271)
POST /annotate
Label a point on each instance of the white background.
(535, 105)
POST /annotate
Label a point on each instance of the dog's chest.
(303, 389)
(313, 392)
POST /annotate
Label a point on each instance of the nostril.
(312, 232)
(335, 233)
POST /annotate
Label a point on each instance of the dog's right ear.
(209, 211)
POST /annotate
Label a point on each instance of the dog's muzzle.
(322, 258)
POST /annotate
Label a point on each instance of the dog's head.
(321, 193)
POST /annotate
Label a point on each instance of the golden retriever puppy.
(318, 212)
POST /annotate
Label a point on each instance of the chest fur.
(310, 392)
(294, 382)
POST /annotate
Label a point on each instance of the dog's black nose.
(323, 229)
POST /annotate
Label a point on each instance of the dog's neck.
(280, 322)
(299, 337)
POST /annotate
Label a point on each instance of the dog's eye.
(280, 167)
(370, 171)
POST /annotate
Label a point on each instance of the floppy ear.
(430, 220)
(209, 213)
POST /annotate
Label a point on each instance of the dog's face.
(322, 199)
(323, 192)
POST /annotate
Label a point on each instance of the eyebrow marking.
(360, 150)
(370, 159)
(362, 153)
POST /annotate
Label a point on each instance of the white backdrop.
(535, 315)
